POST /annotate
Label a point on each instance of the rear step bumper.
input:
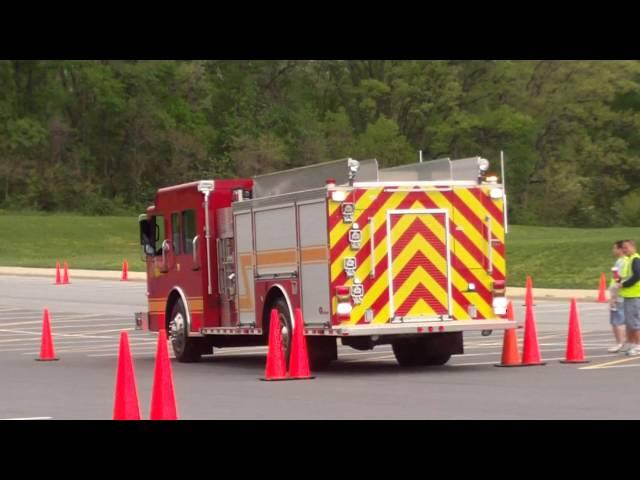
(415, 327)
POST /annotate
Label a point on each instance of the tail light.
(343, 304)
(499, 302)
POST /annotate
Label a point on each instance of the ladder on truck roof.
(315, 176)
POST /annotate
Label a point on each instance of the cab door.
(186, 252)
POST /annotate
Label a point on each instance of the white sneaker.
(625, 348)
(616, 348)
(635, 350)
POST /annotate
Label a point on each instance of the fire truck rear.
(411, 256)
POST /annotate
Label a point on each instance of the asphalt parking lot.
(88, 315)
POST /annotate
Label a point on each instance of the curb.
(512, 292)
(87, 274)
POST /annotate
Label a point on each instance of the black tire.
(322, 351)
(186, 349)
(416, 353)
(285, 325)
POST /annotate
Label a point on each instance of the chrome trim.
(447, 245)
(372, 255)
(165, 247)
(412, 328)
(186, 309)
(489, 245)
(196, 257)
(504, 194)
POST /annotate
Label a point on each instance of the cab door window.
(175, 233)
(188, 229)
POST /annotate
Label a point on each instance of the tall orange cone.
(47, 353)
(575, 352)
(126, 405)
(58, 279)
(602, 294)
(530, 349)
(276, 368)
(299, 361)
(65, 277)
(510, 354)
(163, 399)
(125, 271)
(528, 299)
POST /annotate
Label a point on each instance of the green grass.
(554, 257)
(99, 243)
(562, 257)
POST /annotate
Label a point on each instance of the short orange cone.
(125, 271)
(530, 349)
(65, 278)
(528, 299)
(510, 354)
(299, 361)
(276, 364)
(163, 398)
(47, 353)
(58, 279)
(126, 406)
(602, 294)
(575, 352)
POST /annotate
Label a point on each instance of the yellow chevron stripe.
(379, 221)
(481, 212)
(341, 229)
(469, 230)
(412, 282)
(440, 262)
(461, 284)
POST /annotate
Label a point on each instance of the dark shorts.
(632, 313)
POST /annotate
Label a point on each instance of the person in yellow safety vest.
(630, 291)
(616, 308)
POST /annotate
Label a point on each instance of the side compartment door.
(244, 274)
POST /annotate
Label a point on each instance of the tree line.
(100, 136)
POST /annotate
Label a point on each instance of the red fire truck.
(411, 256)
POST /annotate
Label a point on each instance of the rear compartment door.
(419, 273)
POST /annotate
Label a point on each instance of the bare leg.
(619, 333)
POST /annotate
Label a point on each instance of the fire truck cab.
(410, 256)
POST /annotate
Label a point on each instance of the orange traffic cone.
(575, 352)
(126, 406)
(510, 354)
(163, 399)
(299, 361)
(528, 299)
(602, 294)
(58, 279)
(530, 349)
(276, 364)
(47, 353)
(125, 271)
(65, 277)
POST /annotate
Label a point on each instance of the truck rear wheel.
(411, 353)
(286, 331)
(187, 349)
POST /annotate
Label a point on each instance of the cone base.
(575, 361)
(302, 378)
(46, 359)
(507, 364)
(278, 379)
(532, 364)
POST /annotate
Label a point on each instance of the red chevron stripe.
(420, 293)
(343, 243)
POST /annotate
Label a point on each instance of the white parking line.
(28, 418)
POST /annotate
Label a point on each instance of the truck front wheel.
(187, 349)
